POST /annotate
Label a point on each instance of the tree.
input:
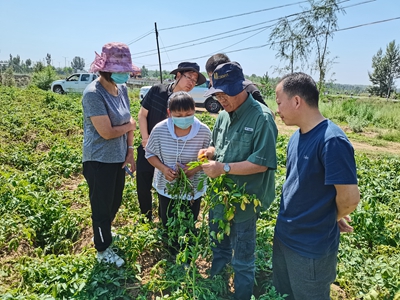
(308, 33)
(48, 59)
(28, 62)
(145, 72)
(78, 63)
(8, 77)
(266, 86)
(386, 70)
(38, 67)
(318, 26)
(289, 44)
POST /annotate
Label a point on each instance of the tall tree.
(48, 59)
(286, 38)
(78, 63)
(318, 26)
(28, 62)
(145, 72)
(386, 70)
(308, 33)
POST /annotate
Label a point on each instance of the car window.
(85, 77)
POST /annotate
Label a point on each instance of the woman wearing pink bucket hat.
(107, 142)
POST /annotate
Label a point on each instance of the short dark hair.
(181, 101)
(106, 76)
(301, 84)
(216, 60)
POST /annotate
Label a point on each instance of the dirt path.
(363, 147)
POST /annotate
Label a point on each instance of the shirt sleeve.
(153, 144)
(339, 161)
(264, 144)
(93, 105)
(148, 99)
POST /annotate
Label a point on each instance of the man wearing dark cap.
(153, 111)
(243, 147)
(221, 58)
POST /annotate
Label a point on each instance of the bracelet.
(130, 147)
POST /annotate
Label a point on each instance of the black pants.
(144, 180)
(166, 206)
(106, 184)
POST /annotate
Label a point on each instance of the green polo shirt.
(248, 134)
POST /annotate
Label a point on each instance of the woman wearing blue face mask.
(107, 142)
(173, 143)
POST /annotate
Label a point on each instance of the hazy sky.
(66, 29)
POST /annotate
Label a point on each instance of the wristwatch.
(227, 168)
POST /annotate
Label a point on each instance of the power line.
(192, 45)
(267, 44)
(153, 51)
(233, 16)
(141, 37)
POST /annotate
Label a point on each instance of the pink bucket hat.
(114, 58)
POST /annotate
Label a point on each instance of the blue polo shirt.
(248, 134)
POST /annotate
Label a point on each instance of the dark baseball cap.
(227, 78)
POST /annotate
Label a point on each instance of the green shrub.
(43, 79)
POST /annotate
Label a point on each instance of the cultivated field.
(46, 250)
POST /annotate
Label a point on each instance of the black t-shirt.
(254, 91)
(156, 102)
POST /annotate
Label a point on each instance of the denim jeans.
(239, 249)
(300, 277)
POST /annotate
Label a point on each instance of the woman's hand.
(190, 173)
(169, 174)
(130, 161)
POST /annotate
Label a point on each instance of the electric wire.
(233, 16)
(267, 44)
(153, 51)
(141, 37)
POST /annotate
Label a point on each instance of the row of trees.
(26, 67)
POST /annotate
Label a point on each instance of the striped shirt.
(171, 149)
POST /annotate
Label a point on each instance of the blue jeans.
(300, 277)
(241, 243)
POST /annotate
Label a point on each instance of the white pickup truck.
(76, 83)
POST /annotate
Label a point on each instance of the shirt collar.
(242, 108)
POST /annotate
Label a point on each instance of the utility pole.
(65, 61)
(158, 50)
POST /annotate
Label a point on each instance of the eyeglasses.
(221, 96)
(190, 79)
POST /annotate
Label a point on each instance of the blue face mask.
(183, 122)
(120, 78)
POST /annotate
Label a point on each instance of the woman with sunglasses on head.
(172, 144)
(153, 111)
(107, 142)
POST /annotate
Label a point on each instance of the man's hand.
(209, 153)
(344, 226)
(213, 168)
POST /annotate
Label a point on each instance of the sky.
(66, 29)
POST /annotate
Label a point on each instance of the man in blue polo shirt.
(243, 147)
(319, 192)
